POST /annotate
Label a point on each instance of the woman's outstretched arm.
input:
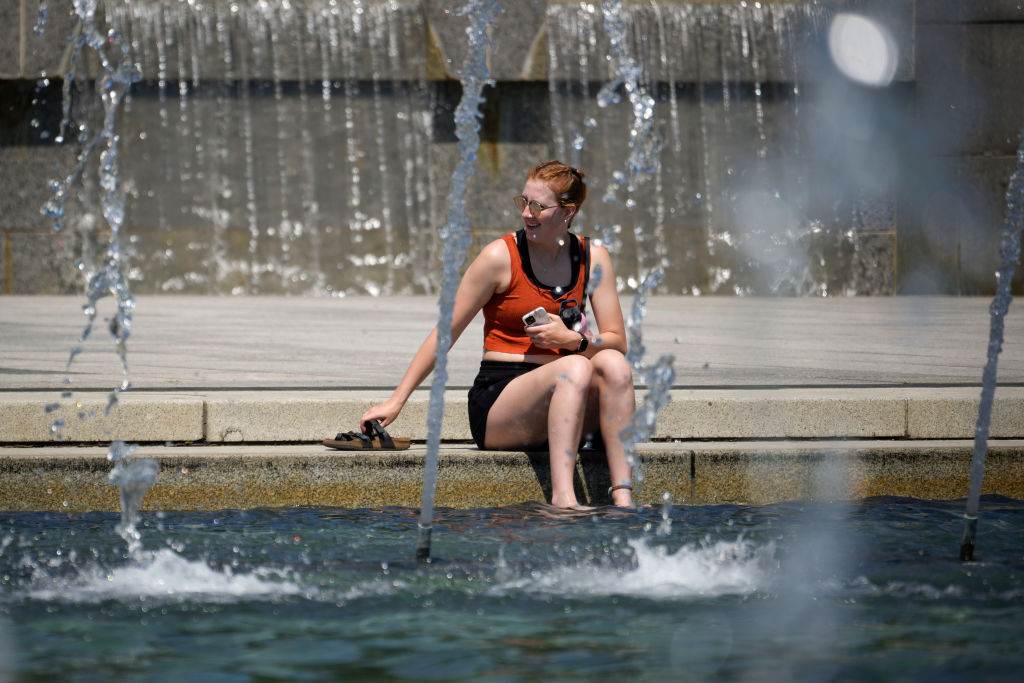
(476, 288)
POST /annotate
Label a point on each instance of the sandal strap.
(354, 436)
(619, 487)
(374, 428)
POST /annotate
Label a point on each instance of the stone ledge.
(950, 418)
(782, 414)
(220, 417)
(312, 416)
(206, 478)
(23, 418)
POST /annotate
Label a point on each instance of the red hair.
(565, 181)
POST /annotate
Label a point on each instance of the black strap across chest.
(574, 256)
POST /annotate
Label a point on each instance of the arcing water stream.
(1009, 250)
(104, 273)
(455, 235)
(642, 163)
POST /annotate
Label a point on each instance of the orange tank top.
(503, 315)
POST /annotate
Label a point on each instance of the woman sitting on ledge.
(552, 380)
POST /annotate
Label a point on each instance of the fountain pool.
(793, 591)
(799, 591)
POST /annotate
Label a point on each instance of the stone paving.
(366, 343)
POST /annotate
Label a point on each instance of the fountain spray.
(133, 478)
(1009, 251)
(642, 164)
(455, 236)
(117, 74)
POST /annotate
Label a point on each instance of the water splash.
(665, 525)
(455, 237)
(107, 276)
(133, 478)
(1009, 251)
(163, 576)
(705, 570)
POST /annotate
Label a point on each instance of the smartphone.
(538, 316)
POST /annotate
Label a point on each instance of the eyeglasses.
(535, 207)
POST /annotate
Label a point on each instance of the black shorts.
(492, 379)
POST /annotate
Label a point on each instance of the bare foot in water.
(623, 498)
(552, 512)
(568, 503)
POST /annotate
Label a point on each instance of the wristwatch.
(584, 343)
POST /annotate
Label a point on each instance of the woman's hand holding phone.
(552, 334)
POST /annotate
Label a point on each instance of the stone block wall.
(959, 75)
(970, 111)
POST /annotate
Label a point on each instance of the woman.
(547, 381)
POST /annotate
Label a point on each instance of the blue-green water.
(867, 591)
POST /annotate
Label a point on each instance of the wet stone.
(42, 263)
(950, 11)
(25, 172)
(967, 94)
(501, 173)
(517, 24)
(276, 41)
(44, 53)
(10, 39)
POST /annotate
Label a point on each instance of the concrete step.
(261, 416)
(67, 478)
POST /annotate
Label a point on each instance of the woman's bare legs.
(557, 401)
(611, 405)
(546, 403)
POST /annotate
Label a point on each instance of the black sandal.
(376, 440)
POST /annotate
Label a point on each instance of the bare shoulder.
(495, 253)
(494, 265)
(599, 257)
(598, 252)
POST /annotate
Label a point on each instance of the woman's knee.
(612, 368)
(576, 370)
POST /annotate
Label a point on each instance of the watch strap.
(584, 344)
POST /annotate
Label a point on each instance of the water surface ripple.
(798, 591)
